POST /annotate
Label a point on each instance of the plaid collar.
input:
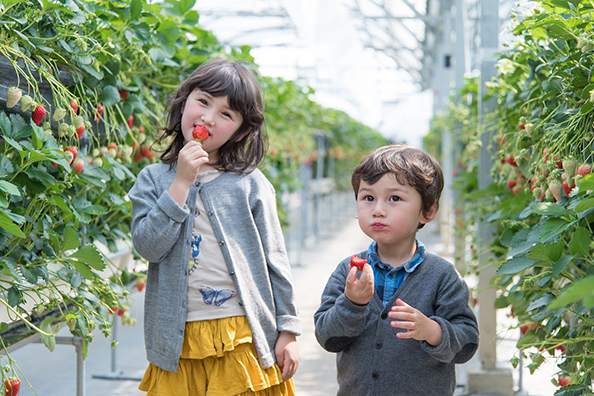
(374, 260)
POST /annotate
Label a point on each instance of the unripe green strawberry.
(556, 189)
(13, 95)
(63, 130)
(536, 193)
(570, 166)
(529, 127)
(59, 115)
(26, 102)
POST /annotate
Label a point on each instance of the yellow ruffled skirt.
(218, 358)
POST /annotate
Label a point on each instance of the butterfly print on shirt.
(216, 297)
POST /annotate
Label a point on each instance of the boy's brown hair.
(409, 166)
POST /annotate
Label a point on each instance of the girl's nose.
(207, 119)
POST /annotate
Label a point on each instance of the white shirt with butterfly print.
(211, 291)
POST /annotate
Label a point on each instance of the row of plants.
(81, 105)
(540, 203)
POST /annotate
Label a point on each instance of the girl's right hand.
(189, 160)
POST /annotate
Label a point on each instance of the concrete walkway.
(53, 374)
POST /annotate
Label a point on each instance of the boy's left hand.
(417, 325)
(287, 354)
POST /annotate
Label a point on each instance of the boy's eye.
(394, 198)
(368, 198)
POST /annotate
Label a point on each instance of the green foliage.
(541, 207)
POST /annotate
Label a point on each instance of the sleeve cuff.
(171, 208)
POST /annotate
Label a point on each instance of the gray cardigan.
(371, 360)
(242, 211)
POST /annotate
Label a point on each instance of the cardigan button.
(221, 243)
(231, 273)
(375, 375)
(378, 345)
(241, 303)
(210, 213)
(384, 315)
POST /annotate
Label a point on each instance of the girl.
(219, 307)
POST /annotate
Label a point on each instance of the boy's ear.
(430, 215)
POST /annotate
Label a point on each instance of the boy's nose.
(378, 211)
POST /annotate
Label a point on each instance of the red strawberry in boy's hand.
(358, 262)
(200, 133)
(12, 386)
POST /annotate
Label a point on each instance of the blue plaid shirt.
(388, 279)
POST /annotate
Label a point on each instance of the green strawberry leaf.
(71, 240)
(9, 188)
(587, 183)
(91, 256)
(560, 265)
(549, 209)
(549, 252)
(515, 265)
(576, 292)
(541, 302)
(552, 228)
(580, 242)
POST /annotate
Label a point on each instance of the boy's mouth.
(377, 226)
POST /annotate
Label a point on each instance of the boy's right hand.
(359, 291)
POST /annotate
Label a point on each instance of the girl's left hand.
(287, 354)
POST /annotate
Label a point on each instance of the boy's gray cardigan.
(242, 212)
(371, 360)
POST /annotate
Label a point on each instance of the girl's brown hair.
(244, 151)
(409, 166)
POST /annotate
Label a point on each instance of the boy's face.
(390, 212)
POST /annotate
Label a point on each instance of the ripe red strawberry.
(38, 114)
(78, 165)
(74, 105)
(200, 133)
(510, 160)
(511, 184)
(584, 170)
(99, 112)
(140, 283)
(13, 96)
(141, 129)
(123, 94)
(563, 381)
(566, 187)
(145, 151)
(12, 386)
(130, 121)
(556, 189)
(358, 262)
(73, 151)
(79, 125)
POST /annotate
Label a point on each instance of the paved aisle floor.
(53, 374)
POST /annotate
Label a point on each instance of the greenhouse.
(102, 162)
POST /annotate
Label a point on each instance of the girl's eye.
(227, 115)
(203, 101)
(394, 198)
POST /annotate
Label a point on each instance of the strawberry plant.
(540, 203)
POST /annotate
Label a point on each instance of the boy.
(401, 326)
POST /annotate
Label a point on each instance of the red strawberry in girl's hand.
(12, 386)
(358, 262)
(200, 133)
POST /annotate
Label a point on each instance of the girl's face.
(214, 113)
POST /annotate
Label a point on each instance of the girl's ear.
(244, 134)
